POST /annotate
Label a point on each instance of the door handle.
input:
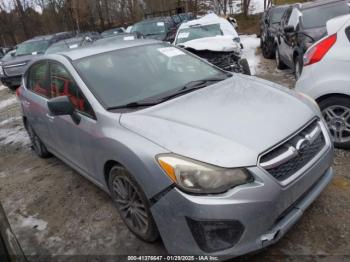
(50, 117)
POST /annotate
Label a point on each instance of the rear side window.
(347, 32)
(62, 84)
(38, 79)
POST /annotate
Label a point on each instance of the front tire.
(336, 112)
(267, 51)
(37, 145)
(245, 66)
(132, 204)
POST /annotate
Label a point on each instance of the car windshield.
(138, 73)
(37, 47)
(277, 14)
(197, 32)
(318, 17)
(150, 28)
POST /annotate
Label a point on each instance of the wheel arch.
(326, 96)
(108, 166)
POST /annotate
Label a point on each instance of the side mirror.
(13, 54)
(62, 105)
(289, 29)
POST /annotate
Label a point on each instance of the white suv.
(326, 78)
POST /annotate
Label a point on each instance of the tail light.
(319, 50)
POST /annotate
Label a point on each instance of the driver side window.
(62, 84)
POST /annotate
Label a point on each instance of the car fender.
(137, 154)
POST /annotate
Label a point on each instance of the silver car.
(213, 162)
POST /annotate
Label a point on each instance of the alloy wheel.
(338, 121)
(130, 204)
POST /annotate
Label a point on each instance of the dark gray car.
(213, 162)
(301, 26)
(12, 70)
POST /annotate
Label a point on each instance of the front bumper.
(265, 208)
(13, 81)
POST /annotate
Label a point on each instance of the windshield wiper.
(189, 87)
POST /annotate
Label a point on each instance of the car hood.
(19, 60)
(227, 124)
(222, 43)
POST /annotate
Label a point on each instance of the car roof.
(313, 4)
(99, 49)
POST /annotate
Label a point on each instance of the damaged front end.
(228, 61)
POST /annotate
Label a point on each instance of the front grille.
(288, 164)
(223, 60)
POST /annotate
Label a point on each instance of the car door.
(34, 100)
(72, 141)
(282, 37)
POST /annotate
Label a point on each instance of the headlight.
(196, 177)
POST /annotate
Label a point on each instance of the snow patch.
(14, 136)
(255, 7)
(32, 222)
(9, 120)
(3, 174)
(250, 44)
(7, 102)
(2, 87)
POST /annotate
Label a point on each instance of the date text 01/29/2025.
(173, 258)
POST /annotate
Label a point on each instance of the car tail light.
(319, 50)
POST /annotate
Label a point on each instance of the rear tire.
(279, 63)
(37, 145)
(245, 66)
(132, 204)
(336, 112)
(298, 67)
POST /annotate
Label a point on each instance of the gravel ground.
(55, 211)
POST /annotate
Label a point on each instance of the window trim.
(69, 74)
(27, 76)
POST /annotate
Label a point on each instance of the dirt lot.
(55, 211)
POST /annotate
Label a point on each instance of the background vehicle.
(269, 25)
(301, 26)
(10, 250)
(113, 32)
(70, 43)
(326, 78)
(13, 69)
(214, 39)
(107, 112)
(117, 38)
(162, 28)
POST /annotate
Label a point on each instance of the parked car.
(69, 44)
(269, 25)
(326, 78)
(10, 249)
(13, 69)
(214, 39)
(161, 28)
(301, 26)
(148, 123)
(113, 32)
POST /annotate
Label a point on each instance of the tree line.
(23, 19)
